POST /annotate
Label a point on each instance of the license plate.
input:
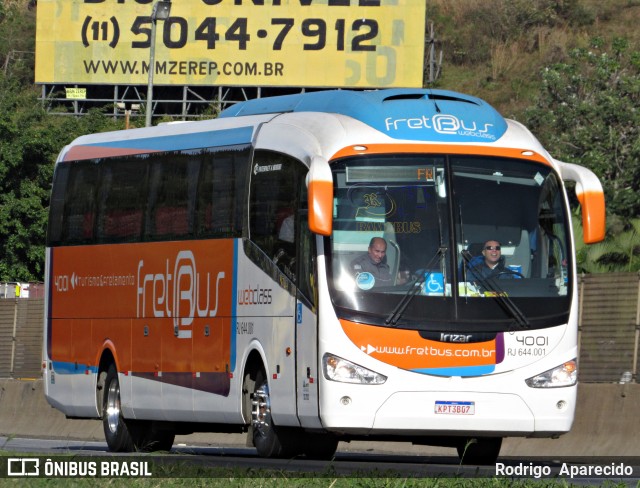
(455, 408)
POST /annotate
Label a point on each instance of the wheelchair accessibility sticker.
(433, 283)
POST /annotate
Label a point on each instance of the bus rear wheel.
(117, 433)
(479, 450)
(128, 435)
(269, 441)
(153, 438)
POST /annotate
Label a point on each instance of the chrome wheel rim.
(261, 410)
(113, 406)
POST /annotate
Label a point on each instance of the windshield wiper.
(500, 295)
(402, 305)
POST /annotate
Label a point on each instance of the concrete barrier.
(607, 424)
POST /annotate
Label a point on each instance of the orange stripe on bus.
(441, 149)
(406, 349)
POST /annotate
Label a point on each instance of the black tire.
(319, 446)
(129, 435)
(116, 431)
(269, 441)
(479, 450)
(155, 439)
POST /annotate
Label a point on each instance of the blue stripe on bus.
(234, 303)
(179, 142)
(62, 367)
(459, 371)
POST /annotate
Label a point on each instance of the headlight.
(337, 369)
(564, 375)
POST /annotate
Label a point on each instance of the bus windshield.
(449, 243)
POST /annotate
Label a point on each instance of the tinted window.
(158, 196)
(221, 193)
(73, 203)
(275, 200)
(172, 191)
(122, 201)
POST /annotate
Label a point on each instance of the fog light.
(561, 405)
(345, 400)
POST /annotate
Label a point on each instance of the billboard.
(319, 43)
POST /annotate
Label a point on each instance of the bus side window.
(221, 193)
(56, 206)
(171, 197)
(122, 200)
(308, 277)
(80, 207)
(274, 196)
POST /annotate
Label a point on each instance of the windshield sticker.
(365, 281)
(266, 168)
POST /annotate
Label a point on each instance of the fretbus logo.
(442, 124)
(178, 291)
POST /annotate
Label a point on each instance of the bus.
(200, 276)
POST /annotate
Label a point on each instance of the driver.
(489, 265)
(374, 262)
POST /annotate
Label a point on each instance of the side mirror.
(591, 197)
(320, 191)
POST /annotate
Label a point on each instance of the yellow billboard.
(319, 43)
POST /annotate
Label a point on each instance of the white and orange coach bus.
(200, 276)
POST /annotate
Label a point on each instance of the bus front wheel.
(269, 441)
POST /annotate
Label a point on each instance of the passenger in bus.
(285, 255)
(374, 261)
(490, 264)
(286, 232)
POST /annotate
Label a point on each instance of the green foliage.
(16, 48)
(30, 141)
(619, 252)
(587, 112)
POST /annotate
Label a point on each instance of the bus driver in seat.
(375, 263)
(489, 265)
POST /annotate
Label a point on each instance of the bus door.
(306, 319)
(278, 202)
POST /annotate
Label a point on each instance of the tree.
(30, 141)
(588, 113)
(619, 252)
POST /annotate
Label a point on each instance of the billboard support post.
(161, 11)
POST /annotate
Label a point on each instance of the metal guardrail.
(609, 330)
